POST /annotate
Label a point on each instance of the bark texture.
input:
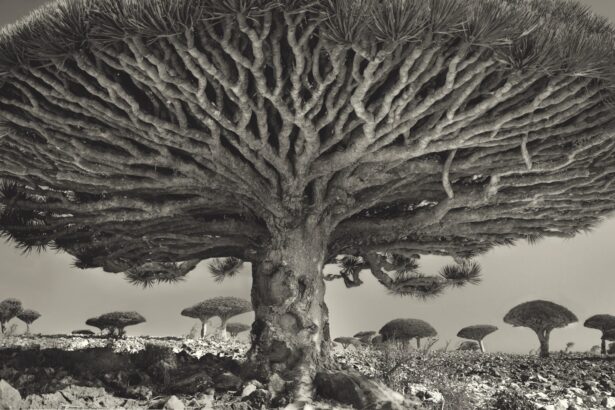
(290, 333)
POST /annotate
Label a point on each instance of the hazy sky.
(577, 273)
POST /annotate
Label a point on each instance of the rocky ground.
(174, 373)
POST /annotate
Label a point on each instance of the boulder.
(259, 398)
(9, 396)
(608, 402)
(173, 403)
(359, 392)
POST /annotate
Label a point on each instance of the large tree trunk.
(290, 333)
(543, 337)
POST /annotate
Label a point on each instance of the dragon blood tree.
(404, 330)
(542, 317)
(28, 316)
(9, 308)
(602, 322)
(142, 136)
(477, 333)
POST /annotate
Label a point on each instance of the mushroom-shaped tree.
(405, 330)
(468, 345)
(347, 341)
(82, 332)
(97, 323)
(9, 308)
(477, 333)
(28, 316)
(602, 322)
(366, 335)
(290, 133)
(234, 328)
(542, 317)
(117, 321)
(224, 307)
(201, 311)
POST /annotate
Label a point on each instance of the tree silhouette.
(407, 329)
(9, 308)
(28, 316)
(290, 133)
(602, 322)
(477, 333)
(115, 322)
(542, 317)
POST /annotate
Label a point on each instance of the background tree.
(234, 328)
(201, 311)
(116, 322)
(290, 133)
(602, 322)
(366, 336)
(347, 341)
(84, 332)
(595, 350)
(224, 307)
(28, 316)
(9, 308)
(609, 335)
(477, 333)
(405, 330)
(97, 323)
(542, 317)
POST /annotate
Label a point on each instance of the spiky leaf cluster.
(152, 273)
(223, 268)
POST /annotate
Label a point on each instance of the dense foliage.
(9, 308)
(406, 330)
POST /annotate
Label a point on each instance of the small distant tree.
(602, 322)
(407, 329)
(468, 345)
(200, 311)
(347, 341)
(9, 308)
(83, 332)
(224, 307)
(542, 317)
(477, 333)
(116, 322)
(595, 349)
(234, 328)
(569, 346)
(366, 336)
(28, 316)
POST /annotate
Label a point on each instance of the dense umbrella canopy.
(407, 329)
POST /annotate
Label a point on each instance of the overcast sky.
(578, 273)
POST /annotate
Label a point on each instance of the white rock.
(174, 404)
(608, 402)
(562, 404)
(248, 390)
(9, 396)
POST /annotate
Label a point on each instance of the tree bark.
(543, 337)
(603, 347)
(290, 333)
(482, 347)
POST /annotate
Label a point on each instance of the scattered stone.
(259, 399)
(608, 402)
(248, 390)
(9, 397)
(276, 385)
(173, 403)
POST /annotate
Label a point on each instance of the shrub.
(28, 316)
(407, 329)
(84, 332)
(9, 308)
(477, 333)
(347, 341)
